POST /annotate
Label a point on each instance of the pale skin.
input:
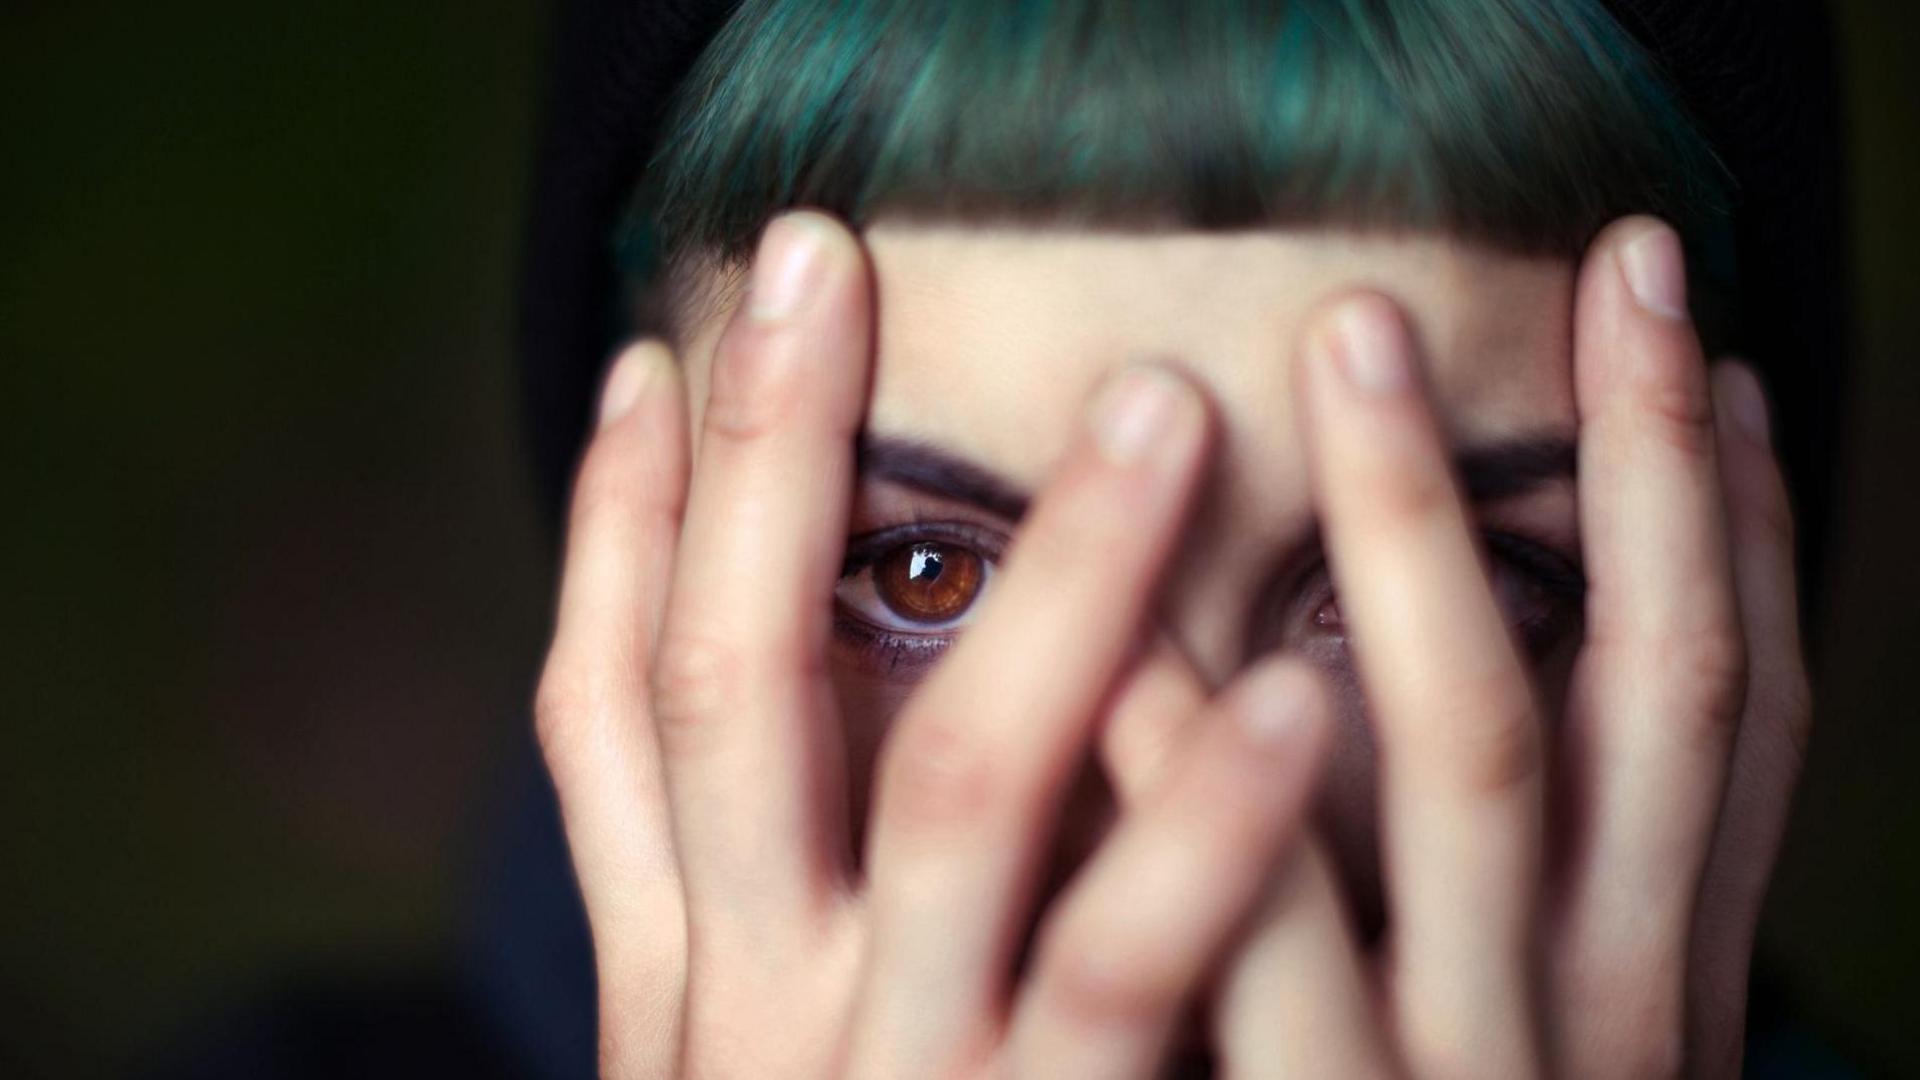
(799, 860)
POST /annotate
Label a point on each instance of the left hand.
(1607, 931)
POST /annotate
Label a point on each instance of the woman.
(1005, 601)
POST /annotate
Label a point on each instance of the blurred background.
(278, 585)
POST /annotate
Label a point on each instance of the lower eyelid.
(883, 652)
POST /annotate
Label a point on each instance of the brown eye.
(928, 582)
(907, 593)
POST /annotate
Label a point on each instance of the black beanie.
(1757, 76)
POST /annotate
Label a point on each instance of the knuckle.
(1498, 747)
(1707, 673)
(1413, 493)
(566, 707)
(696, 680)
(1681, 410)
(1502, 752)
(1109, 980)
(555, 704)
(749, 400)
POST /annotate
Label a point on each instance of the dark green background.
(276, 588)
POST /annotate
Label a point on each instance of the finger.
(1296, 1000)
(1460, 744)
(1771, 744)
(591, 711)
(1658, 685)
(1126, 947)
(1152, 713)
(972, 776)
(754, 760)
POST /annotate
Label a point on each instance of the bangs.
(1523, 124)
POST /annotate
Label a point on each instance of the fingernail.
(1135, 411)
(1369, 352)
(786, 267)
(1274, 712)
(632, 371)
(1746, 402)
(1656, 272)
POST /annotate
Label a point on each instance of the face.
(988, 341)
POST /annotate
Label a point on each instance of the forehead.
(988, 340)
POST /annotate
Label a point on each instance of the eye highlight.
(905, 592)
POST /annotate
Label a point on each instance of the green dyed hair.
(1523, 124)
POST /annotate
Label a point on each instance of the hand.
(686, 719)
(1604, 931)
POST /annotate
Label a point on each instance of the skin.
(968, 317)
(1576, 839)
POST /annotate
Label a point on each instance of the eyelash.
(1562, 578)
(889, 651)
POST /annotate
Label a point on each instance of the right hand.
(686, 715)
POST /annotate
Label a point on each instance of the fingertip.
(1742, 401)
(824, 225)
(1150, 716)
(799, 253)
(1143, 411)
(1621, 233)
(1360, 339)
(639, 366)
(797, 342)
(1634, 269)
(1655, 268)
(1637, 353)
(1282, 704)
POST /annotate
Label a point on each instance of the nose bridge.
(1252, 520)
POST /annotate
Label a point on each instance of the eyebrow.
(931, 470)
(1489, 473)
(1501, 470)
